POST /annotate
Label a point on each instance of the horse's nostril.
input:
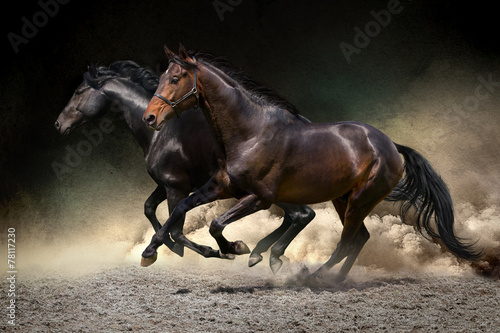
(57, 125)
(150, 119)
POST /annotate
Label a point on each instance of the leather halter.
(193, 91)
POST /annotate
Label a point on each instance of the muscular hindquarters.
(328, 160)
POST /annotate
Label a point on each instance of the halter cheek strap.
(193, 91)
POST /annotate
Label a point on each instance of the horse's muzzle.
(150, 120)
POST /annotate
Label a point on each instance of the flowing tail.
(423, 189)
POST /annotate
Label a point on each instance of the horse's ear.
(92, 69)
(183, 53)
(169, 53)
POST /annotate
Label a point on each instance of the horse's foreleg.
(150, 206)
(178, 235)
(209, 192)
(245, 206)
(174, 197)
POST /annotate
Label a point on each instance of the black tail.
(423, 189)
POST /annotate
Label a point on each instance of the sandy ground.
(227, 296)
(89, 281)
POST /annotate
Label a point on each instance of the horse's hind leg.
(354, 234)
(157, 197)
(344, 248)
(295, 215)
(359, 241)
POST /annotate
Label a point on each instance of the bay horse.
(180, 158)
(273, 154)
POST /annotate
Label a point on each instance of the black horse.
(180, 159)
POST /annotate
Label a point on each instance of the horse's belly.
(310, 190)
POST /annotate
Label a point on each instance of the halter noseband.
(193, 91)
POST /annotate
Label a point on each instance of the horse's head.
(87, 102)
(176, 91)
(71, 117)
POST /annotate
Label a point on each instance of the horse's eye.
(174, 80)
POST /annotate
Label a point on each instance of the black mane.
(125, 69)
(262, 92)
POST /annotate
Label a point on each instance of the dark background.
(291, 46)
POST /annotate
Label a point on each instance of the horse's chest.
(239, 180)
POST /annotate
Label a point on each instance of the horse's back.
(355, 137)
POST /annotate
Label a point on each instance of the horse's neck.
(229, 109)
(129, 103)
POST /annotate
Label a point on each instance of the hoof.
(275, 264)
(254, 259)
(317, 275)
(339, 278)
(178, 249)
(241, 248)
(228, 256)
(145, 262)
